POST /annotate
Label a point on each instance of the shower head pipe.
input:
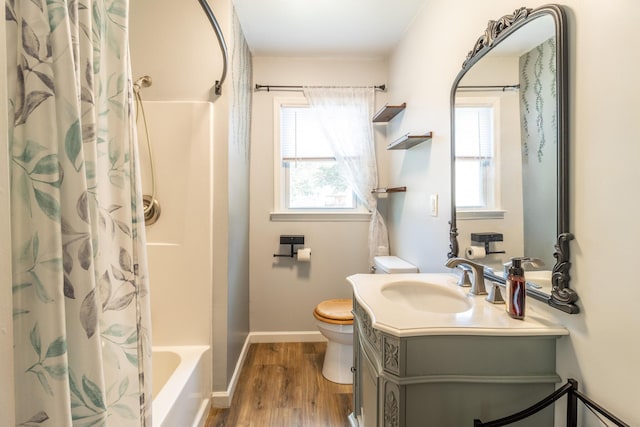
(221, 42)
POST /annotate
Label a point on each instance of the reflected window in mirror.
(476, 157)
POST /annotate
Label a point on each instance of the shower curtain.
(345, 117)
(80, 299)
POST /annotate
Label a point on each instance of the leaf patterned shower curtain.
(81, 306)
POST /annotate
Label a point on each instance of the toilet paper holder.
(290, 240)
(486, 238)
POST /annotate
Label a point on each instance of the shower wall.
(184, 61)
(180, 243)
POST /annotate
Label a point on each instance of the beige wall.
(603, 349)
(283, 291)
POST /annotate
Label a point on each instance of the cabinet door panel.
(369, 394)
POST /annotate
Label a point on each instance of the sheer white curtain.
(345, 115)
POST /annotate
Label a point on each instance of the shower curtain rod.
(269, 88)
(503, 88)
(223, 46)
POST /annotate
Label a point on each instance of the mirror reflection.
(506, 143)
(505, 158)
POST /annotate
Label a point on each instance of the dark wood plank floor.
(281, 385)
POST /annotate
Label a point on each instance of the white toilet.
(335, 322)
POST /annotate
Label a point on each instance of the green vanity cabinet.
(448, 380)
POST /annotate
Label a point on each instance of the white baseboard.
(297, 336)
(222, 399)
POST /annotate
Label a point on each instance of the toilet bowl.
(335, 322)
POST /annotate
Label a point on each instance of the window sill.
(480, 214)
(320, 216)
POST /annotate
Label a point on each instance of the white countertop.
(482, 318)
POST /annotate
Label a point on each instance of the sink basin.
(417, 304)
(425, 296)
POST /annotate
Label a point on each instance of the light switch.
(434, 204)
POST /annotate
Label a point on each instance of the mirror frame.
(562, 296)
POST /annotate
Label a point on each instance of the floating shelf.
(388, 112)
(389, 190)
(407, 141)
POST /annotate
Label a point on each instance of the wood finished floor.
(281, 385)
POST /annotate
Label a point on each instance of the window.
(306, 172)
(475, 155)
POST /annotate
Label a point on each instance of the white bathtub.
(181, 384)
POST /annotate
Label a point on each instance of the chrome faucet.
(477, 283)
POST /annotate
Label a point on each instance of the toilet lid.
(335, 309)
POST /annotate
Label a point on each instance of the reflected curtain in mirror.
(539, 127)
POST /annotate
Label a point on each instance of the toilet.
(335, 322)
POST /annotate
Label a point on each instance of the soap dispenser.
(516, 289)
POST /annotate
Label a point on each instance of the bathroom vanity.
(428, 354)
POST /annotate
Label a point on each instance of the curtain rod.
(223, 46)
(503, 88)
(269, 88)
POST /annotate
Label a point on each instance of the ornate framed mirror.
(509, 152)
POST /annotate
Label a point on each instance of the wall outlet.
(434, 204)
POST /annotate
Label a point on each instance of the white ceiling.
(324, 27)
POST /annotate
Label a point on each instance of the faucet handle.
(464, 280)
(495, 296)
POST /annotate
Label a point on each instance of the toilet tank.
(393, 265)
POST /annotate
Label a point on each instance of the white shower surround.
(180, 247)
(180, 243)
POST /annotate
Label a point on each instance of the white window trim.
(310, 215)
(314, 216)
(279, 102)
(471, 214)
(495, 212)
